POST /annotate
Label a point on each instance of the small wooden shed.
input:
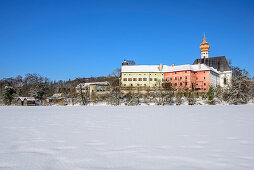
(26, 101)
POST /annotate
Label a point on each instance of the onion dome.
(204, 46)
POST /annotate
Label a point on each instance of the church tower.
(204, 47)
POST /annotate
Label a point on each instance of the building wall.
(179, 79)
(201, 80)
(141, 79)
(19, 102)
(226, 75)
(214, 79)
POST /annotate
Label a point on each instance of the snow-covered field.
(184, 137)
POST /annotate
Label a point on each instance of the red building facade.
(188, 79)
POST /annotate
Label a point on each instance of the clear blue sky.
(68, 39)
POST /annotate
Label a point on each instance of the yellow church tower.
(204, 47)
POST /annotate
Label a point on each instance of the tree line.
(239, 91)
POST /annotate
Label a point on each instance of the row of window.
(197, 78)
(151, 79)
(156, 85)
(139, 79)
(167, 79)
(175, 84)
(137, 84)
(179, 78)
(176, 72)
(141, 74)
(181, 84)
(204, 84)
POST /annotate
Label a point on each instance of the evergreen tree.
(179, 98)
(190, 97)
(8, 95)
(210, 96)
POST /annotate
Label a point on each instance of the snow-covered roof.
(105, 83)
(57, 95)
(26, 98)
(165, 68)
(140, 68)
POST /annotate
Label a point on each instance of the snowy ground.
(184, 137)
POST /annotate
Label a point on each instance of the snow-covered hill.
(184, 137)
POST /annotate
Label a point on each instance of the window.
(196, 78)
(175, 72)
(204, 89)
(204, 71)
(181, 84)
(144, 74)
(185, 71)
(186, 83)
(129, 79)
(134, 79)
(204, 77)
(166, 79)
(185, 77)
(139, 79)
(175, 84)
(225, 81)
(170, 78)
(124, 85)
(155, 79)
(131, 85)
(175, 78)
(144, 79)
(180, 78)
(125, 79)
(144, 84)
(150, 79)
(125, 74)
(140, 74)
(154, 74)
(137, 84)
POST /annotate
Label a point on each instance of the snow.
(98, 137)
(27, 98)
(165, 68)
(92, 83)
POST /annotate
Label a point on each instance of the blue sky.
(68, 39)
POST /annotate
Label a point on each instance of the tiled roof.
(219, 63)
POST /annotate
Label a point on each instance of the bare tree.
(239, 90)
(115, 86)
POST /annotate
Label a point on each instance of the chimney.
(160, 67)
